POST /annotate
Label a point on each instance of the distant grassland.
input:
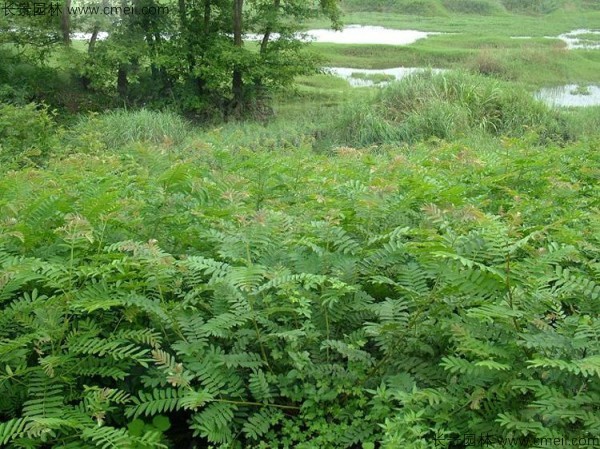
(535, 62)
(478, 37)
(480, 7)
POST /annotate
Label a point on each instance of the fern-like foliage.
(263, 300)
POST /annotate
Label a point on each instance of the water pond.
(582, 39)
(87, 36)
(570, 95)
(358, 34)
(369, 78)
(351, 34)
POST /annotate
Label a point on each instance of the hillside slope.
(482, 7)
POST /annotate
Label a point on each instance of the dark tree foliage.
(223, 55)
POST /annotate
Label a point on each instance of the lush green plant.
(433, 275)
(287, 299)
(27, 134)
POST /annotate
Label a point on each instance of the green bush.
(56, 83)
(422, 8)
(491, 63)
(27, 134)
(263, 299)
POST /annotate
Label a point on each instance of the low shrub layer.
(261, 299)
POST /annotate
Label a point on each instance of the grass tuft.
(445, 106)
(121, 127)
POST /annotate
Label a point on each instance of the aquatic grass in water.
(571, 95)
(375, 78)
(581, 90)
(371, 77)
(582, 39)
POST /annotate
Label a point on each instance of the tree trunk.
(237, 85)
(206, 15)
(65, 23)
(265, 41)
(95, 31)
(269, 29)
(93, 39)
(122, 83)
(182, 13)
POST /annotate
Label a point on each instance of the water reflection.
(102, 35)
(582, 39)
(570, 95)
(358, 34)
(352, 34)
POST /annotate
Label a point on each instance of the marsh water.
(373, 77)
(570, 95)
(359, 34)
(351, 34)
(580, 39)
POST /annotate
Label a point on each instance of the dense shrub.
(25, 80)
(256, 299)
(27, 134)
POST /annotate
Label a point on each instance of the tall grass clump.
(359, 124)
(121, 127)
(275, 135)
(446, 106)
(584, 122)
(491, 63)
(590, 4)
